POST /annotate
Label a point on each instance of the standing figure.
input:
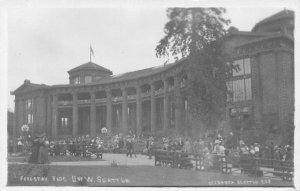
(34, 151)
(129, 147)
(43, 151)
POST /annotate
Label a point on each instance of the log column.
(93, 114)
(138, 110)
(108, 110)
(166, 106)
(178, 104)
(153, 109)
(54, 117)
(48, 126)
(75, 115)
(124, 111)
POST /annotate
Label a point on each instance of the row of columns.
(109, 122)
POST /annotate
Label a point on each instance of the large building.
(143, 101)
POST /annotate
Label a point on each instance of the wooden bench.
(163, 158)
(283, 169)
(259, 167)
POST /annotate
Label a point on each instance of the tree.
(197, 34)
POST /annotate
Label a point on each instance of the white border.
(4, 8)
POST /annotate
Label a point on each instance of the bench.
(259, 167)
(163, 158)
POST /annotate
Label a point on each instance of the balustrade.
(64, 102)
(159, 91)
(102, 100)
(146, 94)
(85, 101)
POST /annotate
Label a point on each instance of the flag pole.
(90, 54)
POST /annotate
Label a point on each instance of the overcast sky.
(43, 43)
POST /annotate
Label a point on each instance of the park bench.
(183, 160)
(283, 169)
(177, 159)
(94, 150)
(163, 158)
(259, 167)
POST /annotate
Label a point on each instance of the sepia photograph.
(150, 95)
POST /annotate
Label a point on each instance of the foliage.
(197, 34)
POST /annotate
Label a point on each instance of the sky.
(44, 43)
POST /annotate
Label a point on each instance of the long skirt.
(43, 155)
(34, 154)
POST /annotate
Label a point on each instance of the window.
(239, 87)
(238, 90)
(247, 66)
(64, 121)
(77, 80)
(29, 109)
(29, 103)
(88, 79)
(240, 69)
(244, 67)
(248, 89)
(30, 118)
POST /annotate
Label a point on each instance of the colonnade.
(124, 102)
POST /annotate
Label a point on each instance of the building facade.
(153, 100)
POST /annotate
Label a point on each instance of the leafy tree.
(197, 34)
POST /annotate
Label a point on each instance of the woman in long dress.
(34, 151)
(43, 152)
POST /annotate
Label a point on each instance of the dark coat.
(35, 152)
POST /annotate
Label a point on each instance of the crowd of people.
(131, 144)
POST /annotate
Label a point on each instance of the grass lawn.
(139, 176)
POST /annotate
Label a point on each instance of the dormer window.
(88, 79)
(77, 80)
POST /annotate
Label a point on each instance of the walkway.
(108, 158)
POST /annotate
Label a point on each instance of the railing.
(117, 99)
(102, 100)
(64, 102)
(159, 91)
(146, 94)
(85, 101)
(131, 97)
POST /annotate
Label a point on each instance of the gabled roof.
(28, 86)
(90, 66)
(278, 16)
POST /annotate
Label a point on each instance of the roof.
(130, 75)
(278, 16)
(247, 33)
(28, 86)
(90, 66)
(274, 35)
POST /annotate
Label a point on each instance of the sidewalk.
(108, 158)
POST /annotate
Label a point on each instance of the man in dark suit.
(129, 147)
